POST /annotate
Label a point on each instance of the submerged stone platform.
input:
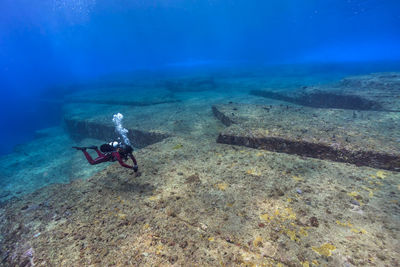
(195, 202)
(379, 92)
(363, 138)
(206, 204)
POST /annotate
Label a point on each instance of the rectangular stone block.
(364, 138)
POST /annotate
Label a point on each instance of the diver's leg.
(88, 157)
(100, 159)
(96, 160)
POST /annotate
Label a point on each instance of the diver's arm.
(133, 159)
(121, 162)
(135, 166)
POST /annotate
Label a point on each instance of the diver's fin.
(79, 148)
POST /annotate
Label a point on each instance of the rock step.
(80, 129)
(363, 138)
(378, 92)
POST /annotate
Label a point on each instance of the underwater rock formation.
(330, 134)
(377, 92)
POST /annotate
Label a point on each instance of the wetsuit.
(112, 156)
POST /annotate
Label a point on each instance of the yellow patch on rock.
(292, 235)
(122, 216)
(159, 249)
(178, 146)
(370, 190)
(280, 215)
(266, 217)
(303, 231)
(153, 198)
(347, 224)
(258, 241)
(221, 186)
(305, 264)
(381, 174)
(253, 172)
(361, 231)
(288, 214)
(353, 194)
(325, 249)
(211, 239)
(315, 262)
(297, 178)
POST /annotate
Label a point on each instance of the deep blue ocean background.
(46, 46)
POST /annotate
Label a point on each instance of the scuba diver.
(113, 151)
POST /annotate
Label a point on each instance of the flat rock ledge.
(337, 135)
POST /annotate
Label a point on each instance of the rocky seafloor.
(199, 202)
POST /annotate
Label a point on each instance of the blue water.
(50, 44)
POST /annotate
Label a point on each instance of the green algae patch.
(325, 249)
(178, 146)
